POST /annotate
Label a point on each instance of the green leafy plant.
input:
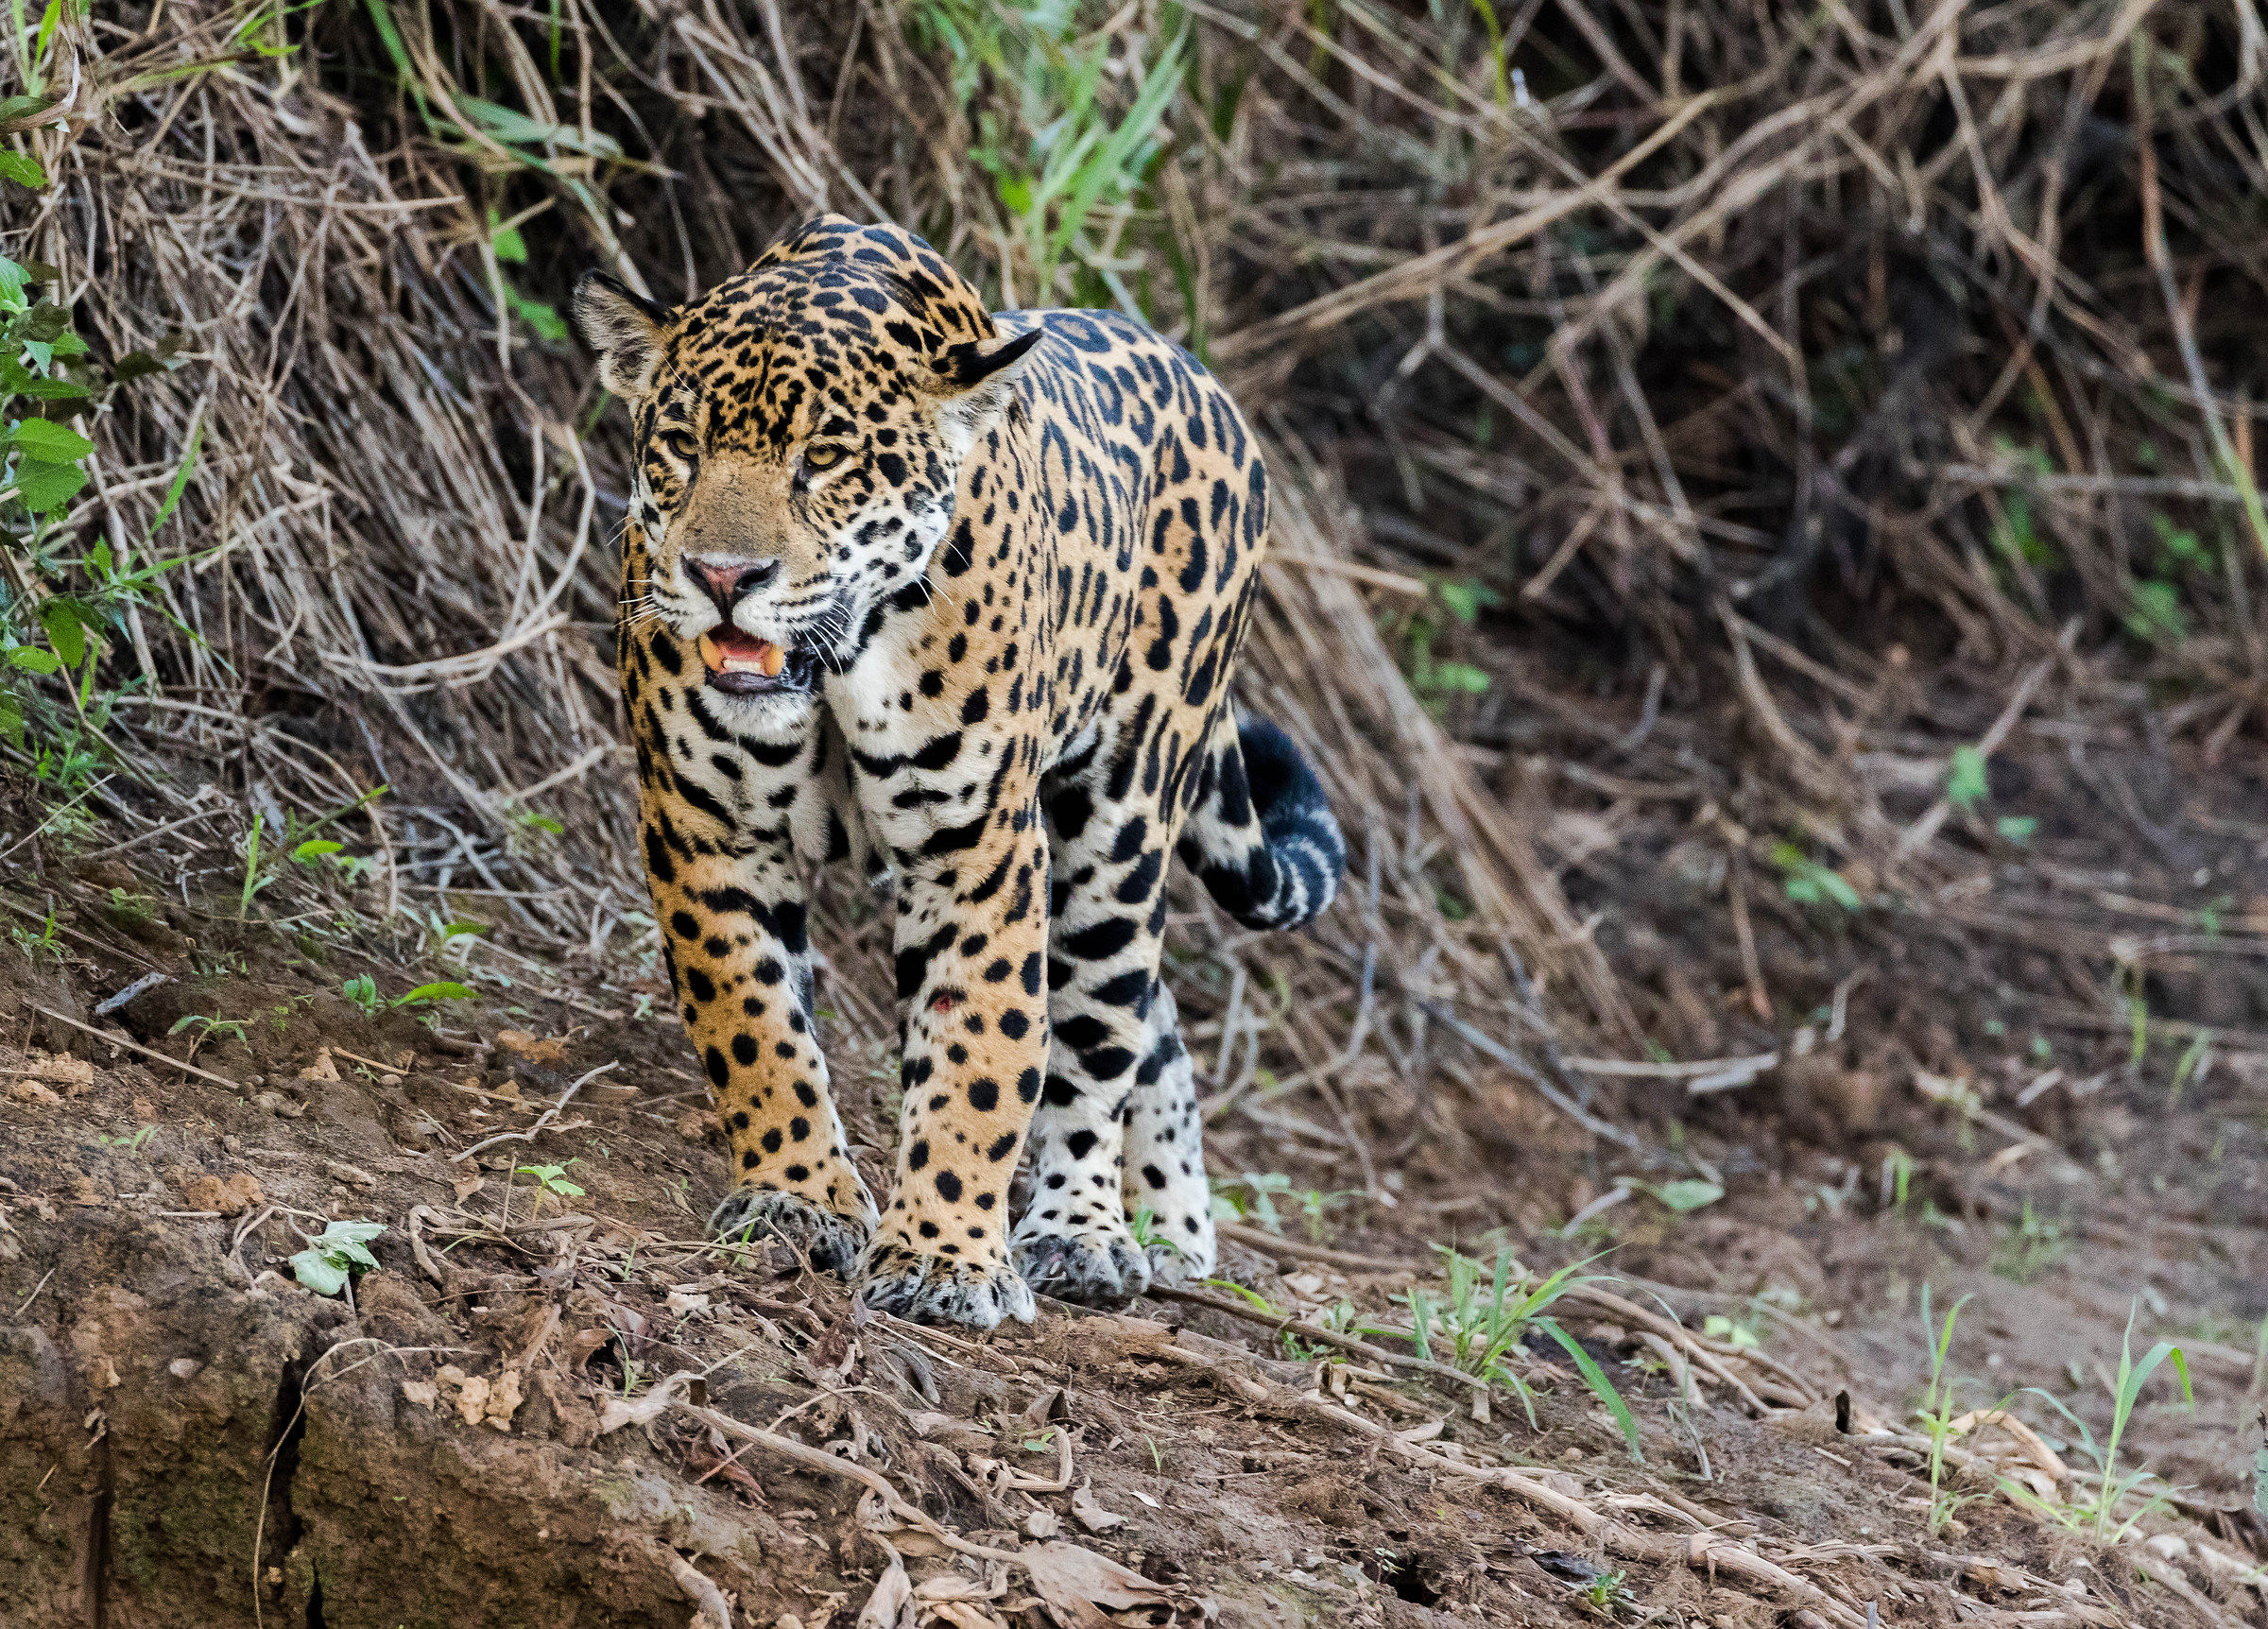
(1936, 1412)
(1807, 882)
(341, 1250)
(1255, 1195)
(2030, 1246)
(1965, 784)
(1686, 1193)
(1143, 1226)
(299, 845)
(59, 604)
(131, 1141)
(552, 1179)
(1069, 124)
(206, 1029)
(1734, 1332)
(1604, 1593)
(37, 944)
(2098, 1514)
(363, 991)
(1484, 1315)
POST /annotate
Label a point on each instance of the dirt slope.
(490, 1432)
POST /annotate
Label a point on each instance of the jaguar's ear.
(979, 363)
(625, 331)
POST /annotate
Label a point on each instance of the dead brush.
(1525, 282)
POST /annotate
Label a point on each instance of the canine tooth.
(712, 658)
(770, 660)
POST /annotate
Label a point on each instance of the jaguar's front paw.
(1094, 1264)
(943, 1289)
(830, 1241)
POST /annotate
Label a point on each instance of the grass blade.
(1595, 1377)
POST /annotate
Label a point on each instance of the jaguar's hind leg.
(1167, 1198)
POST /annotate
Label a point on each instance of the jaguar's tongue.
(728, 650)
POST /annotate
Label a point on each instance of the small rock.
(184, 1369)
(321, 1069)
(423, 1392)
(33, 1092)
(2168, 1546)
(278, 1104)
(695, 1125)
(1041, 1523)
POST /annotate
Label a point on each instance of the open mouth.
(742, 664)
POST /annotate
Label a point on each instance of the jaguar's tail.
(1259, 833)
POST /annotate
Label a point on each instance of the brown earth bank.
(554, 1402)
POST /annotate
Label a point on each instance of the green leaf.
(52, 389)
(318, 1272)
(516, 129)
(424, 995)
(350, 1232)
(20, 110)
(32, 658)
(1719, 1327)
(46, 322)
(548, 324)
(508, 245)
(67, 628)
(315, 848)
(46, 488)
(1466, 599)
(50, 442)
(22, 168)
(1459, 676)
(135, 365)
(1595, 1377)
(1965, 783)
(1688, 1194)
(2148, 1366)
(181, 478)
(2017, 829)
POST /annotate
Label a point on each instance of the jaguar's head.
(800, 433)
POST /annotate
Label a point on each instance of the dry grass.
(1684, 333)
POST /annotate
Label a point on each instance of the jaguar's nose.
(730, 578)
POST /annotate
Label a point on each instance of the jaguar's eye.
(679, 444)
(824, 455)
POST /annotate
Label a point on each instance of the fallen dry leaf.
(1075, 1582)
(1092, 1517)
(550, 1051)
(891, 1606)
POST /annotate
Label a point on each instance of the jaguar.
(953, 596)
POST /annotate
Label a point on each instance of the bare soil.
(187, 1436)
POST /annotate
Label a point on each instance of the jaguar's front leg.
(733, 932)
(972, 943)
